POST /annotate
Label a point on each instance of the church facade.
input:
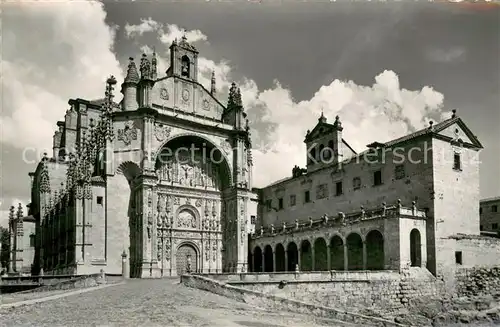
(161, 180)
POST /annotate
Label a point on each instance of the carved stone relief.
(164, 94)
(128, 133)
(226, 147)
(186, 219)
(207, 250)
(167, 249)
(161, 132)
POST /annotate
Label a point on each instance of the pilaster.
(79, 213)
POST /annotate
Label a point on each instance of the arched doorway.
(320, 255)
(194, 178)
(268, 259)
(250, 261)
(305, 256)
(374, 250)
(336, 253)
(280, 257)
(415, 248)
(354, 252)
(186, 259)
(293, 256)
(257, 259)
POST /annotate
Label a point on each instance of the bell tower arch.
(183, 60)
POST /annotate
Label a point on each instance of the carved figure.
(296, 224)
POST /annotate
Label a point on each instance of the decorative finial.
(454, 113)
(212, 87)
(430, 124)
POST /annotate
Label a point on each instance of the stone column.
(299, 255)
(313, 258)
(274, 260)
(286, 260)
(328, 258)
(364, 255)
(125, 272)
(346, 258)
(79, 226)
(263, 262)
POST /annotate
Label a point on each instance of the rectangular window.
(280, 203)
(458, 257)
(338, 188)
(494, 208)
(457, 164)
(292, 200)
(252, 220)
(481, 227)
(356, 183)
(377, 178)
(99, 200)
(494, 226)
(480, 210)
(322, 191)
(307, 197)
(32, 240)
(269, 204)
(399, 172)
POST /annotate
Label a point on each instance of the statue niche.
(184, 171)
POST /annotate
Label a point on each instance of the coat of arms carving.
(128, 133)
(161, 132)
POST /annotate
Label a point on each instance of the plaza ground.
(159, 302)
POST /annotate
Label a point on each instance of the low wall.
(278, 303)
(390, 290)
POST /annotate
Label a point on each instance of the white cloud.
(146, 25)
(51, 54)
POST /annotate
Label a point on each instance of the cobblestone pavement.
(160, 302)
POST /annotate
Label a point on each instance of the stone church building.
(161, 179)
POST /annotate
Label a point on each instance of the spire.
(20, 211)
(454, 113)
(11, 213)
(212, 87)
(132, 75)
(338, 124)
(322, 118)
(44, 178)
(145, 67)
(154, 65)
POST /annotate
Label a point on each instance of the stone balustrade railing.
(342, 219)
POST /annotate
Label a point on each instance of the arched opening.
(268, 259)
(374, 250)
(131, 171)
(280, 258)
(321, 152)
(415, 248)
(186, 259)
(312, 155)
(305, 256)
(336, 253)
(293, 256)
(320, 255)
(354, 252)
(194, 163)
(250, 261)
(257, 259)
(185, 67)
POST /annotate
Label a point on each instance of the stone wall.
(278, 303)
(488, 217)
(478, 281)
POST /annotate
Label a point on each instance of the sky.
(386, 69)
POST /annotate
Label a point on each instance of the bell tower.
(183, 60)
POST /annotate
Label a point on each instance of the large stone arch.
(306, 255)
(354, 243)
(337, 252)
(293, 256)
(374, 250)
(320, 254)
(226, 163)
(187, 208)
(257, 259)
(127, 172)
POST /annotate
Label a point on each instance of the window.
(494, 208)
(458, 257)
(481, 227)
(457, 165)
(322, 191)
(292, 200)
(356, 183)
(280, 203)
(185, 66)
(99, 200)
(338, 188)
(269, 205)
(377, 178)
(399, 172)
(32, 240)
(307, 197)
(252, 220)
(494, 226)
(480, 210)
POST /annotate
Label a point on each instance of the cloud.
(51, 54)
(146, 25)
(449, 55)
(379, 112)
